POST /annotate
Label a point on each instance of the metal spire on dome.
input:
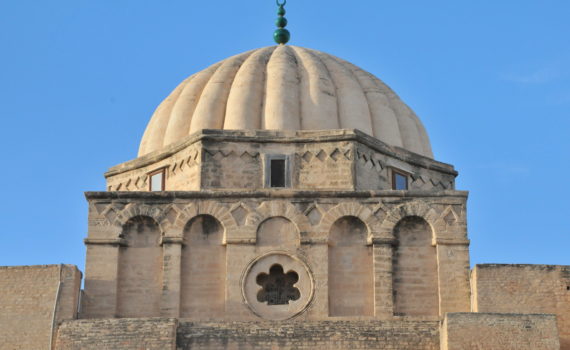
(281, 35)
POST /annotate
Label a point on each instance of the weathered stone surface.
(319, 160)
(491, 331)
(352, 273)
(33, 300)
(115, 334)
(524, 289)
(334, 335)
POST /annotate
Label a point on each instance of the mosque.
(283, 198)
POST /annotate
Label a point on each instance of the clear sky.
(490, 80)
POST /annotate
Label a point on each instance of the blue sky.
(489, 79)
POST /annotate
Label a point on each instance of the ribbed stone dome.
(285, 88)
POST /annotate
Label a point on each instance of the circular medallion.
(277, 286)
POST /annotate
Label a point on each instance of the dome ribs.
(211, 108)
(402, 114)
(384, 120)
(154, 134)
(424, 137)
(319, 108)
(408, 128)
(352, 104)
(245, 101)
(183, 110)
(285, 88)
(282, 99)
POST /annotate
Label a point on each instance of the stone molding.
(104, 241)
(447, 223)
(168, 196)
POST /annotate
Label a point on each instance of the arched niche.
(203, 269)
(140, 269)
(278, 232)
(350, 269)
(415, 278)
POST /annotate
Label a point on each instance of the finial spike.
(281, 35)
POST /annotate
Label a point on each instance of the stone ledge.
(528, 266)
(452, 241)
(277, 194)
(105, 241)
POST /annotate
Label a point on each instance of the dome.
(285, 88)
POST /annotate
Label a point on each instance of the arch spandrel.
(132, 210)
(362, 212)
(271, 209)
(413, 208)
(217, 211)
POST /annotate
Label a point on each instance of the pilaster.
(383, 298)
(101, 275)
(172, 255)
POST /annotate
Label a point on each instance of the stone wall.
(524, 289)
(478, 331)
(33, 300)
(319, 160)
(331, 335)
(373, 170)
(115, 334)
(308, 226)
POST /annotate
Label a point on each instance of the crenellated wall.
(314, 231)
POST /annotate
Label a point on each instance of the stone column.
(172, 256)
(383, 250)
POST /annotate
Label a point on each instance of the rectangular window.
(277, 173)
(399, 180)
(157, 180)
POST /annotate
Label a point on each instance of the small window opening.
(278, 288)
(399, 180)
(567, 287)
(277, 173)
(156, 180)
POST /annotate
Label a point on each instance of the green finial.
(281, 35)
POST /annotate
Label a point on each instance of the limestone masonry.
(283, 199)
